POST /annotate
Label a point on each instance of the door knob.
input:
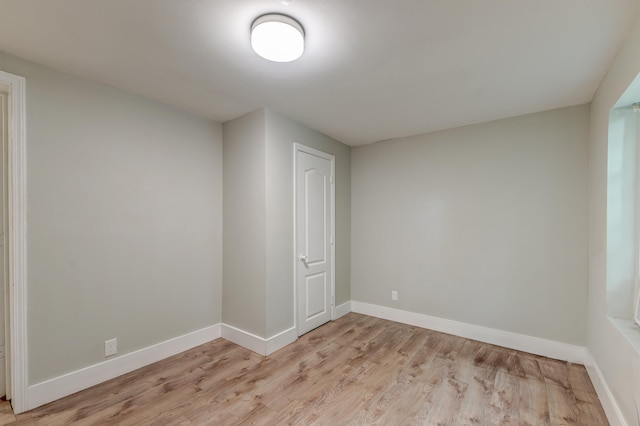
(303, 258)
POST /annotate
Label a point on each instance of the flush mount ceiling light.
(277, 38)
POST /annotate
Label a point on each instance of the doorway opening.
(13, 240)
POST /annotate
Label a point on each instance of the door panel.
(314, 230)
(316, 288)
(315, 216)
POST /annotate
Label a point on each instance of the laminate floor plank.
(475, 408)
(505, 402)
(357, 370)
(534, 403)
(6, 413)
(438, 392)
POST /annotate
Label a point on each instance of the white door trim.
(17, 242)
(303, 148)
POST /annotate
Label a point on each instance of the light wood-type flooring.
(353, 371)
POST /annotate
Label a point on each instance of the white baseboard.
(244, 338)
(609, 404)
(259, 344)
(67, 384)
(280, 340)
(535, 345)
(58, 387)
(507, 339)
(341, 310)
(268, 346)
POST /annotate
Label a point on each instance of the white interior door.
(314, 217)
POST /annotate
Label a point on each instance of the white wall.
(124, 220)
(611, 349)
(484, 224)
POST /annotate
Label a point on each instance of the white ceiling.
(372, 69)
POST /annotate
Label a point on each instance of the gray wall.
(124, 220)
(281, 134)
(484, 224)
(258, 290)
(245, 224)
(611, 348)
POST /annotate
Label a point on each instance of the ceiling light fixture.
(278, 38)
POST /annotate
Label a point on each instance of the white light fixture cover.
(277, 38)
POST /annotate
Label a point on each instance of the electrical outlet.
(394, 295)
(110, 347)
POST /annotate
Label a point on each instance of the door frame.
(297, 147)
(16, 342)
